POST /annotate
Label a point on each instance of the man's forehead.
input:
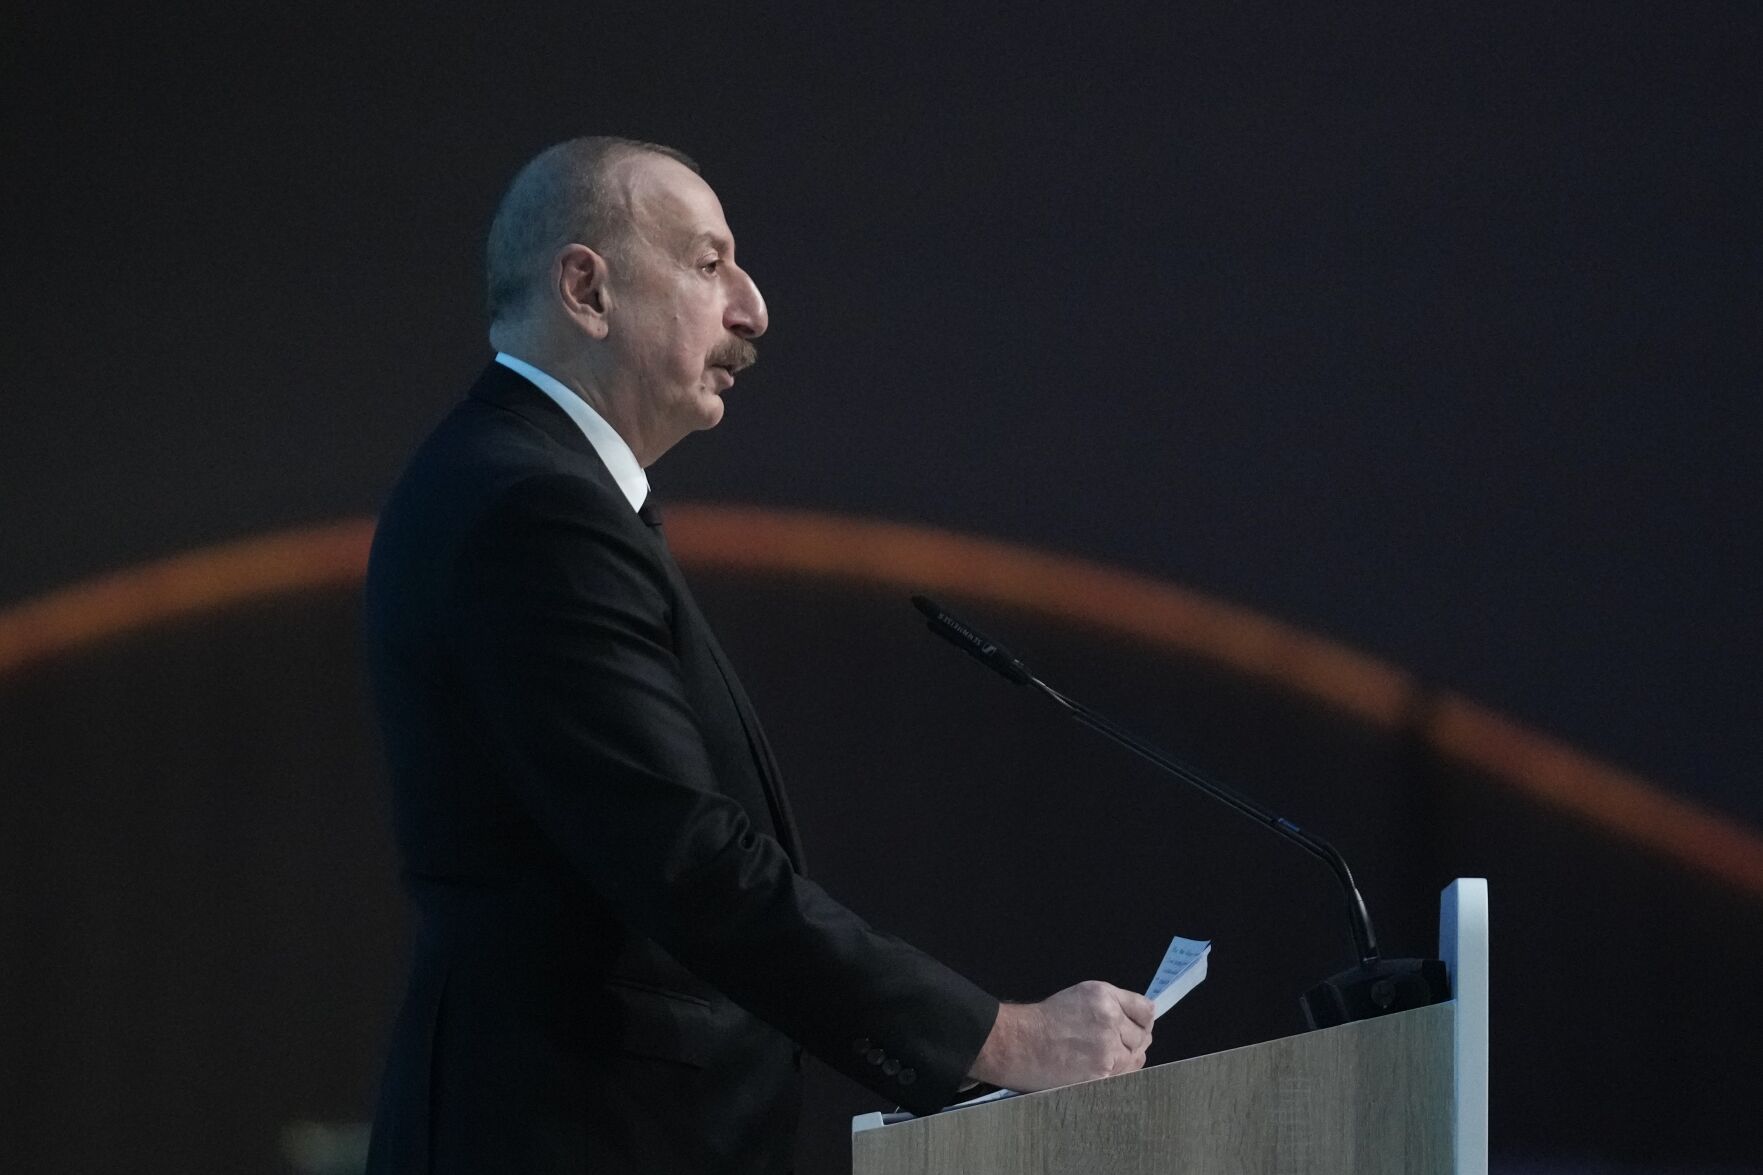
(671, 205)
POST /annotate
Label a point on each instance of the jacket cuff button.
(874, 1056)
(907, 1076)
(891, 1066)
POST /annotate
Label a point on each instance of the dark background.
(1431, 329)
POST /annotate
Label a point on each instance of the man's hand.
(1092, 1030)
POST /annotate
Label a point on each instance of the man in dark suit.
(618, 958)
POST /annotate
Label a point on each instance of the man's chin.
(710, 414)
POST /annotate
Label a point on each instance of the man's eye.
(710, 265)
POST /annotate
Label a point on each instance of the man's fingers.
(1132, 1036)
(1126, 1061)
(1138, 1009)
(1140, 1014)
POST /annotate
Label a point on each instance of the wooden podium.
(1405, 1094)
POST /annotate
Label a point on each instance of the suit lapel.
(770, 777)
(768, 768)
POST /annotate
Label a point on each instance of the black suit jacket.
(617, 952)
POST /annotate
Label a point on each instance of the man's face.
(681, 310)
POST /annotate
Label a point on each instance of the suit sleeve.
(562, 614)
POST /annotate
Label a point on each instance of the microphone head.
(971, 640)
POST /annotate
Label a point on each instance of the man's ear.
(579, 276)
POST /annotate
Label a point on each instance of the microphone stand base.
(1377, 989)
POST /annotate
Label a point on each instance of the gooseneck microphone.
(1376, 985)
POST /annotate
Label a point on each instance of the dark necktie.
(650, 511)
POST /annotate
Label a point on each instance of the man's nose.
(746, 315)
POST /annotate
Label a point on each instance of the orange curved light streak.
(754, 541)
(183, 585)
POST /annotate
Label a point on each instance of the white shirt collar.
(617, 455)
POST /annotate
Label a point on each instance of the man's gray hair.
(559, 198)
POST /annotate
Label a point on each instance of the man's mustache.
(737, 355)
